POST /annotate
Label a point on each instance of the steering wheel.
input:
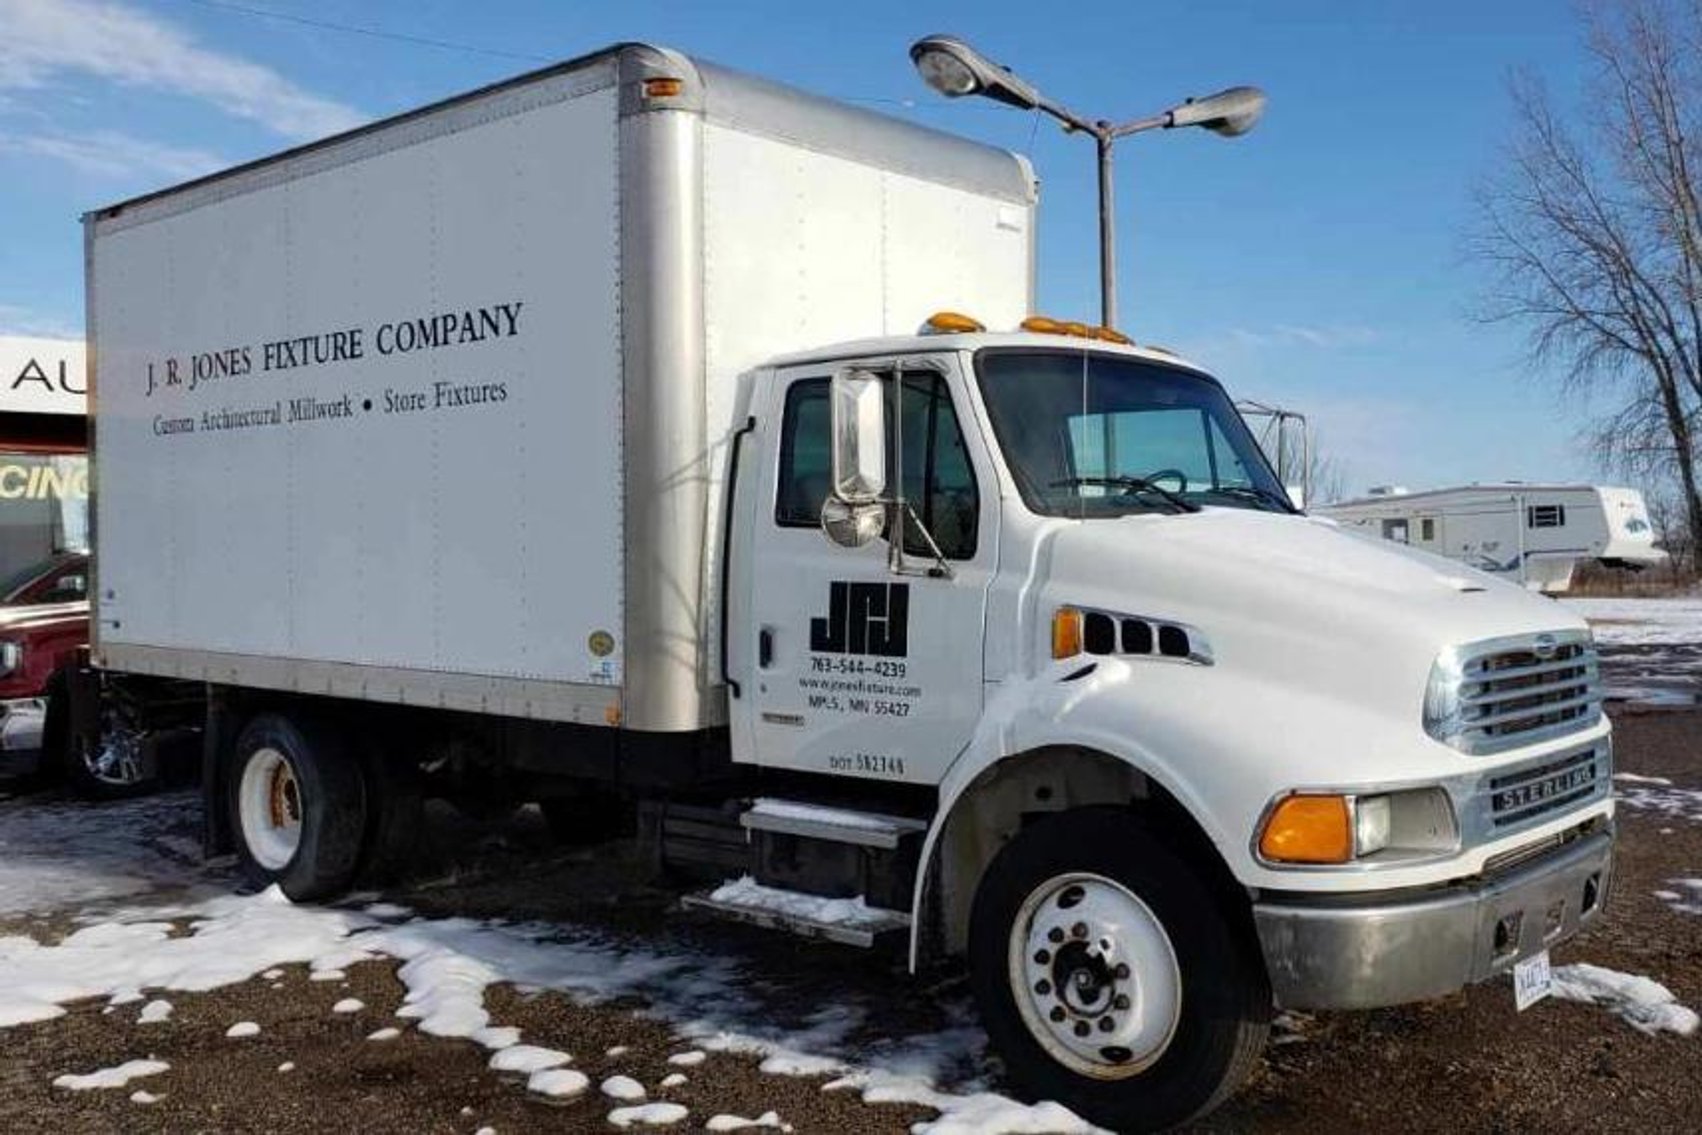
(1161, 474)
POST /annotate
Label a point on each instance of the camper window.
(1545, 516)
(1427, 530)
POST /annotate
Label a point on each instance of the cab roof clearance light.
(951, 323)
(1044, 325)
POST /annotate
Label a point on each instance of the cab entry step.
(838, 825)
(851, 921)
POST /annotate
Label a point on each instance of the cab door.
(848, 667)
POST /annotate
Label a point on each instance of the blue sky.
(1315, 262)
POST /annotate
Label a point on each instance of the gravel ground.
(1469, 1062)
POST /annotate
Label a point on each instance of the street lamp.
(955, 69)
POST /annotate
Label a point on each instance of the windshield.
(1089, 434)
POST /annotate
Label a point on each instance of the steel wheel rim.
(1094, 976)
(118, 761)
(269, 808)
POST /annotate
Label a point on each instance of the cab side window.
(939, 481)
(806, 455)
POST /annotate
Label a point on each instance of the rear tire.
(297, 803)
(1109, 978)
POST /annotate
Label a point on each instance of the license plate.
(1531, 981)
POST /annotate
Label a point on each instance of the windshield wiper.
(1131, 485)
(1254, 492)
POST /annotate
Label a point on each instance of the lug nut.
(1043, 987)
(1121, 972)
(1042, 957)
(1055, 935)
(1106, 1024)
(1079, 930)
(1058, 1014)
(1122, 1001)
(1083, 1028)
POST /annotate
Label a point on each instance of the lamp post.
(955, 69)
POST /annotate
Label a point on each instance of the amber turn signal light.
(1066, 632)
(1308, 829)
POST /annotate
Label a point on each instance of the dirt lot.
(1467, 1063)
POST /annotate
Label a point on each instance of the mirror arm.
(900, 509)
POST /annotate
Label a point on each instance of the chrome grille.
(1512, 692)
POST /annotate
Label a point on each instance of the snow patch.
(622, 1088)
(112, 1077)
(688, 1059)
(739, 1123)
(349, 1005)
(648, 1115)
(68, 855)
(384, 1034)
(327, 975)
(1642, 622)
(1686, 900)
(272, 974)
(527, 1058)
(1633, 778)
(1671, 803)
(617, 1050)
(558, 1083)
(154, 1012)
(1643, 1003)
(287, 1066)
(139, 1096)
(672, 1080)
(747, 892)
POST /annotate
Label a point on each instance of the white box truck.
(489, 451)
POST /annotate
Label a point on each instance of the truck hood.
(1295, 598)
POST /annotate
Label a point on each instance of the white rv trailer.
(1533, 533)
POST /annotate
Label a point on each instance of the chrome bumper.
(1362, 952)
(21, 721)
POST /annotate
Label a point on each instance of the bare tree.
(1594, 234)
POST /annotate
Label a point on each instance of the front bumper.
(1363, 952)
(21, 721)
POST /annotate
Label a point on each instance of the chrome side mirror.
(858, 408)
(851, 525)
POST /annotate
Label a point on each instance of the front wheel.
(1108, 977)
(298, 807)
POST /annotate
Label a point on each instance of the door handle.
(765, 647)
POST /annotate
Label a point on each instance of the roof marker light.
(951, 322)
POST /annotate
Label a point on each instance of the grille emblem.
(1544, 646)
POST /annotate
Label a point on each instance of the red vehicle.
(44, 623)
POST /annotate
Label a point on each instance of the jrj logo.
(864, 618)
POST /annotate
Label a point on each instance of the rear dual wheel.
(297, 800)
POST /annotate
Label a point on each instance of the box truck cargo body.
(425, 414)
(489, 452)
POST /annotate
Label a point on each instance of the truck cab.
(1196, 753)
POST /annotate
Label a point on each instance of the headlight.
(11, 657)
(1332, 829)
(1444, 716)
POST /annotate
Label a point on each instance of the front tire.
(1109, 978)
(297, 804)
